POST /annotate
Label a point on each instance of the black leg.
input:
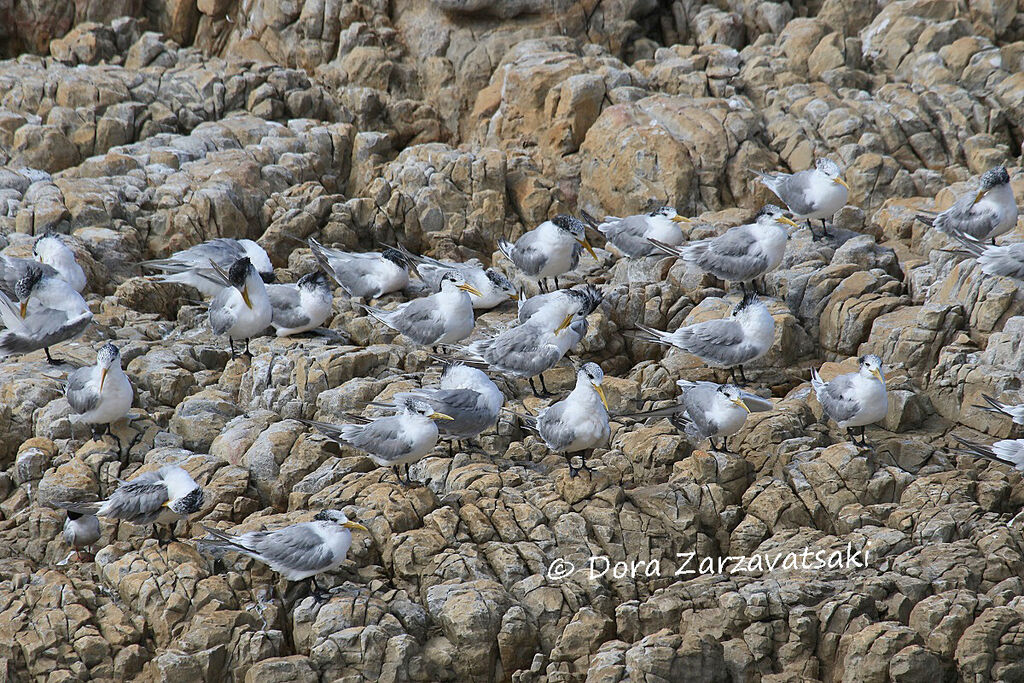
(49, 358)
(451, 447)
(231, 343)
(318, 593)
(725, 445)
(542, 285)
(398, 473)
(572, 470)
(534, 387)
(824, 228)
(583, 463)
(557, 286)
(544, 386)
(247, 353)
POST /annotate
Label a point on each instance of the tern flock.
(41, 305)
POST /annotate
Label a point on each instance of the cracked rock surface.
(137, 128)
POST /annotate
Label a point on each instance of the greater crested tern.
(50, 311)
(985, 214)
(740, 254)
(80, 531)
(495, 289)
(302, 306)
(813, 194)
(855, 399)
(298, 551)
(746, 335)
(632, 235)
(368, 275)
(100, 394)
(390, 441)
(241, 309)
(439, 319)
(192, 266)
(549, 250)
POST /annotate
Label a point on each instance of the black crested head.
(107, 354)
(994, 177)
(570, 224)
(395, 256)
(769, 210)
(315, 280)
(239, 271)
(749, 299)
(72, 515)
(24, 287)
(499, 280)
(190, 503)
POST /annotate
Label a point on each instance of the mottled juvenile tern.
(985, 214)
(742, 253)
(632, 235)
(302, 306)
(368, 275)
(855, 399)
(298, 551)
(729, 342)
(192, 266)
(80, 531)
(549, 250)
(812, 194)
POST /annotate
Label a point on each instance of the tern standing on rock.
(391, 441)
(729, 343)
(100, 394)
(632, 235)
(855, 399)
(549, 250)
(242, 308)
(987, 214)
(708, 411)
(436, 320)
(579, 423)
(80, 531)
(298, 551)
(742, 253)
(815, 194)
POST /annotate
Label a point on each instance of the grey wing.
(81, 395)
(223, 251)
(696, 401)
(298, 547)
(734, 255)
(719, 340)
(1006, 260)
(287, 304)
(556, 432)
(755, 403)
(534, 304)
(793, 191)
(419, 320)
(13, 269)
(520, 350)
(837, 399)
(45, 328)
(629, 235)
(528, 257)
(967, 217)
(221, 318)
(382, 438)
(140, 500)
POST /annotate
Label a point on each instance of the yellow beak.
(840, 181)
(466, 287)
(977, 197)
(878, 374)
(787, 221)
(354, 525)
(741, 404)
(24, 308)
(565, 324)
(586, 245)
(440, 416)
(103, 378)
(680, 219)
(513, 296)
(245, 297)
(600, 392)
